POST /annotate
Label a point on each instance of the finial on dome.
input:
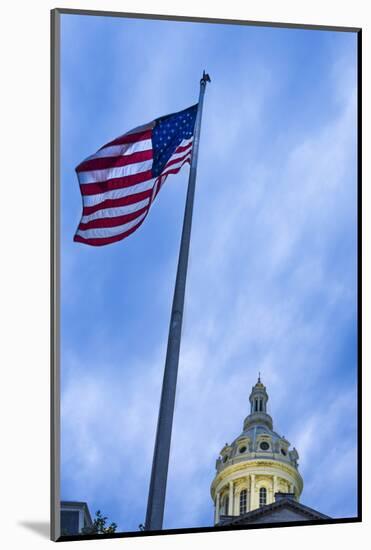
(259, 379)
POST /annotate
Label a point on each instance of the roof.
(264, 512)
(259, 429)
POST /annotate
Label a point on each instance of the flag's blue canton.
(168, 133)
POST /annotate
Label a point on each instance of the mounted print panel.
(206, 368)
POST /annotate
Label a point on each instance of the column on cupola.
(270, 493)
(275, 487)
(217, 507)
(252, 491)
(231, 499)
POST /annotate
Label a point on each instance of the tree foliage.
(99, 526)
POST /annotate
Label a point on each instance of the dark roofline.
(283, 502)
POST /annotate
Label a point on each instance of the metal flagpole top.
(205, 78)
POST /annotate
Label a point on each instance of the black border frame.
(55, 274)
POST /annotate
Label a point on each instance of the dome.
(258, 439)
(257, 464)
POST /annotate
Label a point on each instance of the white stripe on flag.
(121, 150)
(176, 164)
(92, 200)
(102, 232)
(179, 155)
(96, 176)
(115, 212)
(142, 128)
(185, 142)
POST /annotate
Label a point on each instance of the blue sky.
(272, 271)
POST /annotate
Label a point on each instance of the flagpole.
(160, 464)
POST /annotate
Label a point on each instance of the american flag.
(121, 180)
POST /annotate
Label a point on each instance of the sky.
(272, 275)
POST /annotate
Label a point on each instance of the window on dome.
(243, 501)
(262, 496)
(242, 449)
(264, 446)
(261, 405)
(256, 405)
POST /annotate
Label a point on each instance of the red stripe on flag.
(161, 180)
(103, 163)
(176, 170)
(180, 149)
(108, 240)
(129, 138)
(112, 221)
(113, 203)
(175, 161)
(115, 183)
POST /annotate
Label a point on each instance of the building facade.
(257, 467)
(75, 516)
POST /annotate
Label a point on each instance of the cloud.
(108, 421)
(327, 440)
